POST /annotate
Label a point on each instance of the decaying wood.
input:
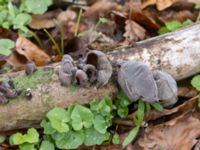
(177, 53)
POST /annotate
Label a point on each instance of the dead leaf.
(177, 136)
(161, 4)
(31, 51)
(52, 18)
(101, 7)
(44, 21)
(133, 32)
(148, 19)
(181, 16)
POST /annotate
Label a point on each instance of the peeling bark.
(177, 53)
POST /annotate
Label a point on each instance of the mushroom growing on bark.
(102, 65)
(67, 70)
(139, 82)
(81, 78)
(167, 88)
(136, 80)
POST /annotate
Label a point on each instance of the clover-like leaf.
(5, 46)
(82, 116)
(71, 140)
(46, 145)
(93, 137)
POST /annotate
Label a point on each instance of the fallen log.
(177, 53)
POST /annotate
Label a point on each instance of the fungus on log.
(176, 53)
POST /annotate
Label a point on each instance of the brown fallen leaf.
(101, 7)
(163, 4)
(178, 134)
(44, 21)
(31, 51)
(160, 4)
(52, 18)
(133, 32)
(181, 15)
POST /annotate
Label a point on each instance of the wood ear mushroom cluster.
(139, 82)
(95, 69)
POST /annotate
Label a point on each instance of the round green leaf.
(27, 146)
(115, 139)
(59, 114)
(21, 20)
(37, 6)
(46, 145)
(82, 115)
(71, 140)
(5, 46)
(32, 136)
(93, 137)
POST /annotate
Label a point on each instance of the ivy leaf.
(157, 106)
(100, 124)
(27, 146)
(46, 145)
(58, 118)
(116, 139)
(196, 82)
(37, 6)
(131, 136)
(32, 136)
(93, 137)
(71, 140)
(81, 117)
(5, 46)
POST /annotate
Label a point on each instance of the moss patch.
(31, 81)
